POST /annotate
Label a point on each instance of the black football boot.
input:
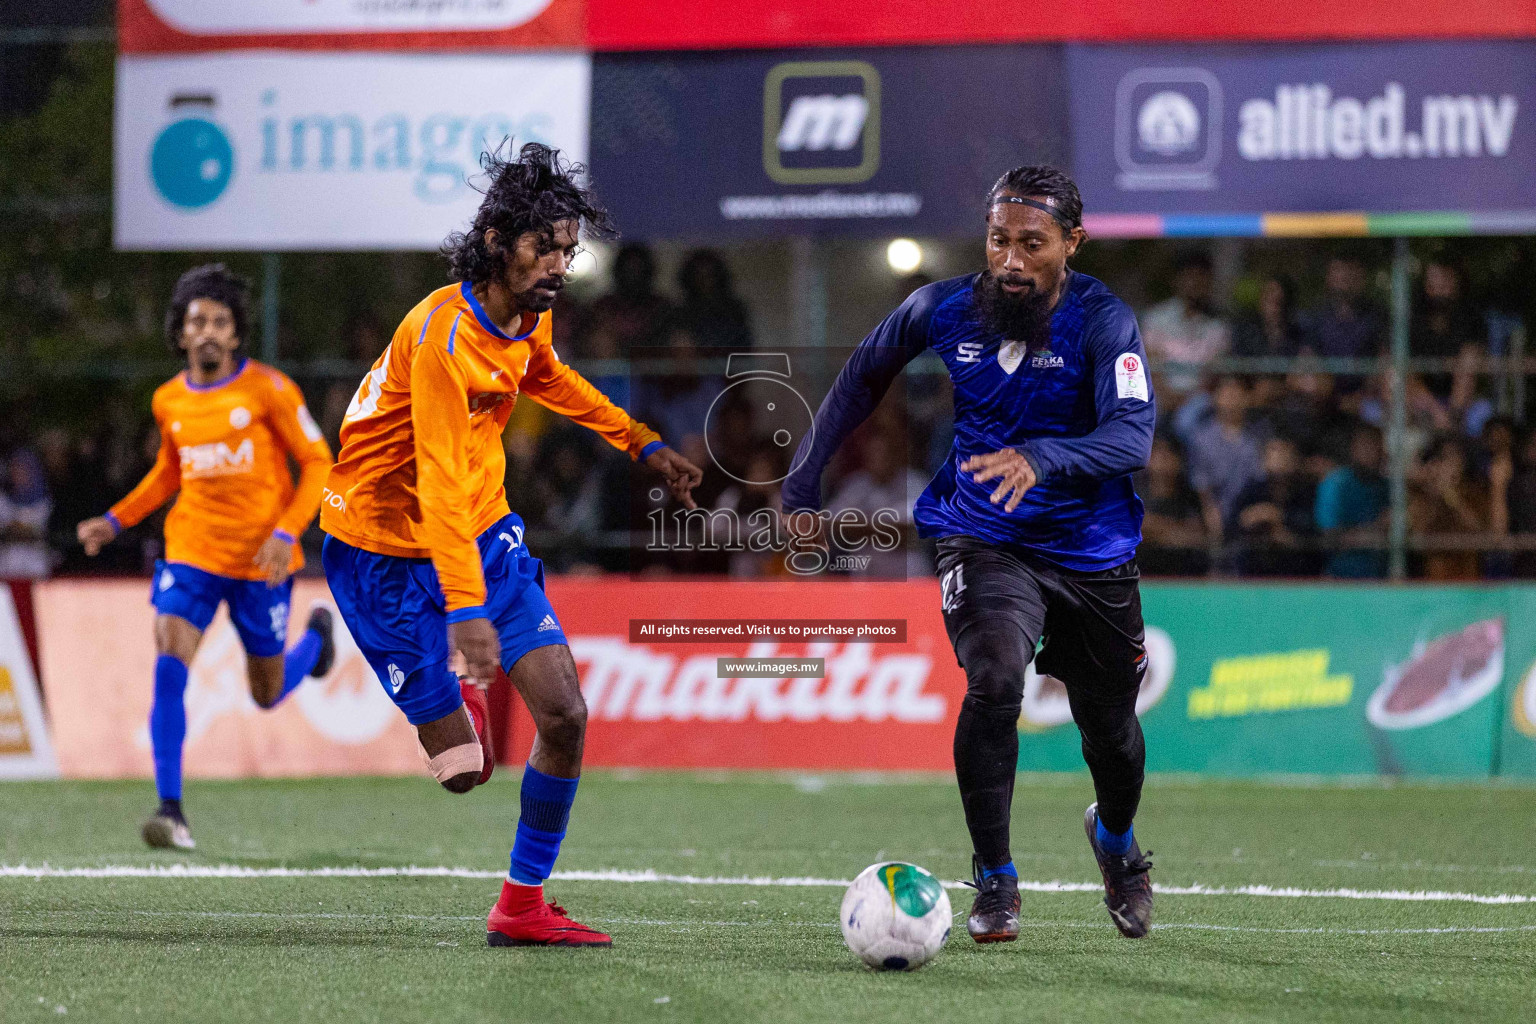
(1127, 890)
(995, 914)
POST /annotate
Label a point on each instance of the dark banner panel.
(1378, 127)
(868, 141)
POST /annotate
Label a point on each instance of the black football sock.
(171, 809)
(986, 764)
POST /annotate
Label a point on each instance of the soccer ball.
(895, 916)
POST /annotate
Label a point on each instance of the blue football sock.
(546, 801)
(299, 662)
(1002, 869)
(1109, 842)
(168, 724)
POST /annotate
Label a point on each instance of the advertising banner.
(26, 751)
(1384, 127)
(887, 706)
(98, 666)
(1515, 752)
(276, 151)
(877, 141)
(1309, 679)
(168, 26)
(1241, 680)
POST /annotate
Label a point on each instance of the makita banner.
(868, 141)
(1386, 127)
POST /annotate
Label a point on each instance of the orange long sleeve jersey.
(422, 470)
(225, 447)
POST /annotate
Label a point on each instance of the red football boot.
(522, 918)
(480, 714)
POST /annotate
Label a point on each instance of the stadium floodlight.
(585, 263)
(904, 255)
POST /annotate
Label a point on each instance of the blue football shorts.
(395, 611)
(259, 612)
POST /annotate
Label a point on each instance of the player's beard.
(541, 296)
(1024, 316)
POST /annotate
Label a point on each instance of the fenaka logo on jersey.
(216, 459)
(821, 122)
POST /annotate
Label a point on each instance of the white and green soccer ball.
(895, 916)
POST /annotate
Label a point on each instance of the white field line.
(770, 923)
(415, 871)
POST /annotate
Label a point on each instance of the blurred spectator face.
(1498, 438)
(1366, 452)
(1442, 284)
(1272, 300)
(634, 271)
(1280, 458)
(1193, 284)
(23, 476)
(1230, 400)
(1446, 465)
(1345, 278)
(53, 447)
(1316, 386)
(1165, 463)
(704, 275)
(881, 459)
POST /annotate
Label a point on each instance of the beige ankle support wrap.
(466, 757)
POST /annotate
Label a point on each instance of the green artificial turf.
(412, 948)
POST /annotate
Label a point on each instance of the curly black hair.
(210, 281)
(1040, 180)
(534, 192)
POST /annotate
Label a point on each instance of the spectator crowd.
(1270, 464)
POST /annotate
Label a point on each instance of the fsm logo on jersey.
(350, 150)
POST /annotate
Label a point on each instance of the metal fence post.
(1397, 447)
(271, 273)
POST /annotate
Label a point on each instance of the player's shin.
(168, 725)
(986, 762)
(546, 808)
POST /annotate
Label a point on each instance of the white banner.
(326, 151)
(25, 749)
(259, 16)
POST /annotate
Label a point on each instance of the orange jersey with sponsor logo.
(225, 447)
(422, 470)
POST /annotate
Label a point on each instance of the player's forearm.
(152, 492)
(573, 396)
(1116, 448)
(305, 505)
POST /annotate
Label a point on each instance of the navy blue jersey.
(1080, 411)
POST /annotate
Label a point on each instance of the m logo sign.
(821, 122)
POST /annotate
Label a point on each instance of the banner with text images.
(277, 151)
(1329, 680)
(1387, 127)
(867, 141)
(170, 26)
